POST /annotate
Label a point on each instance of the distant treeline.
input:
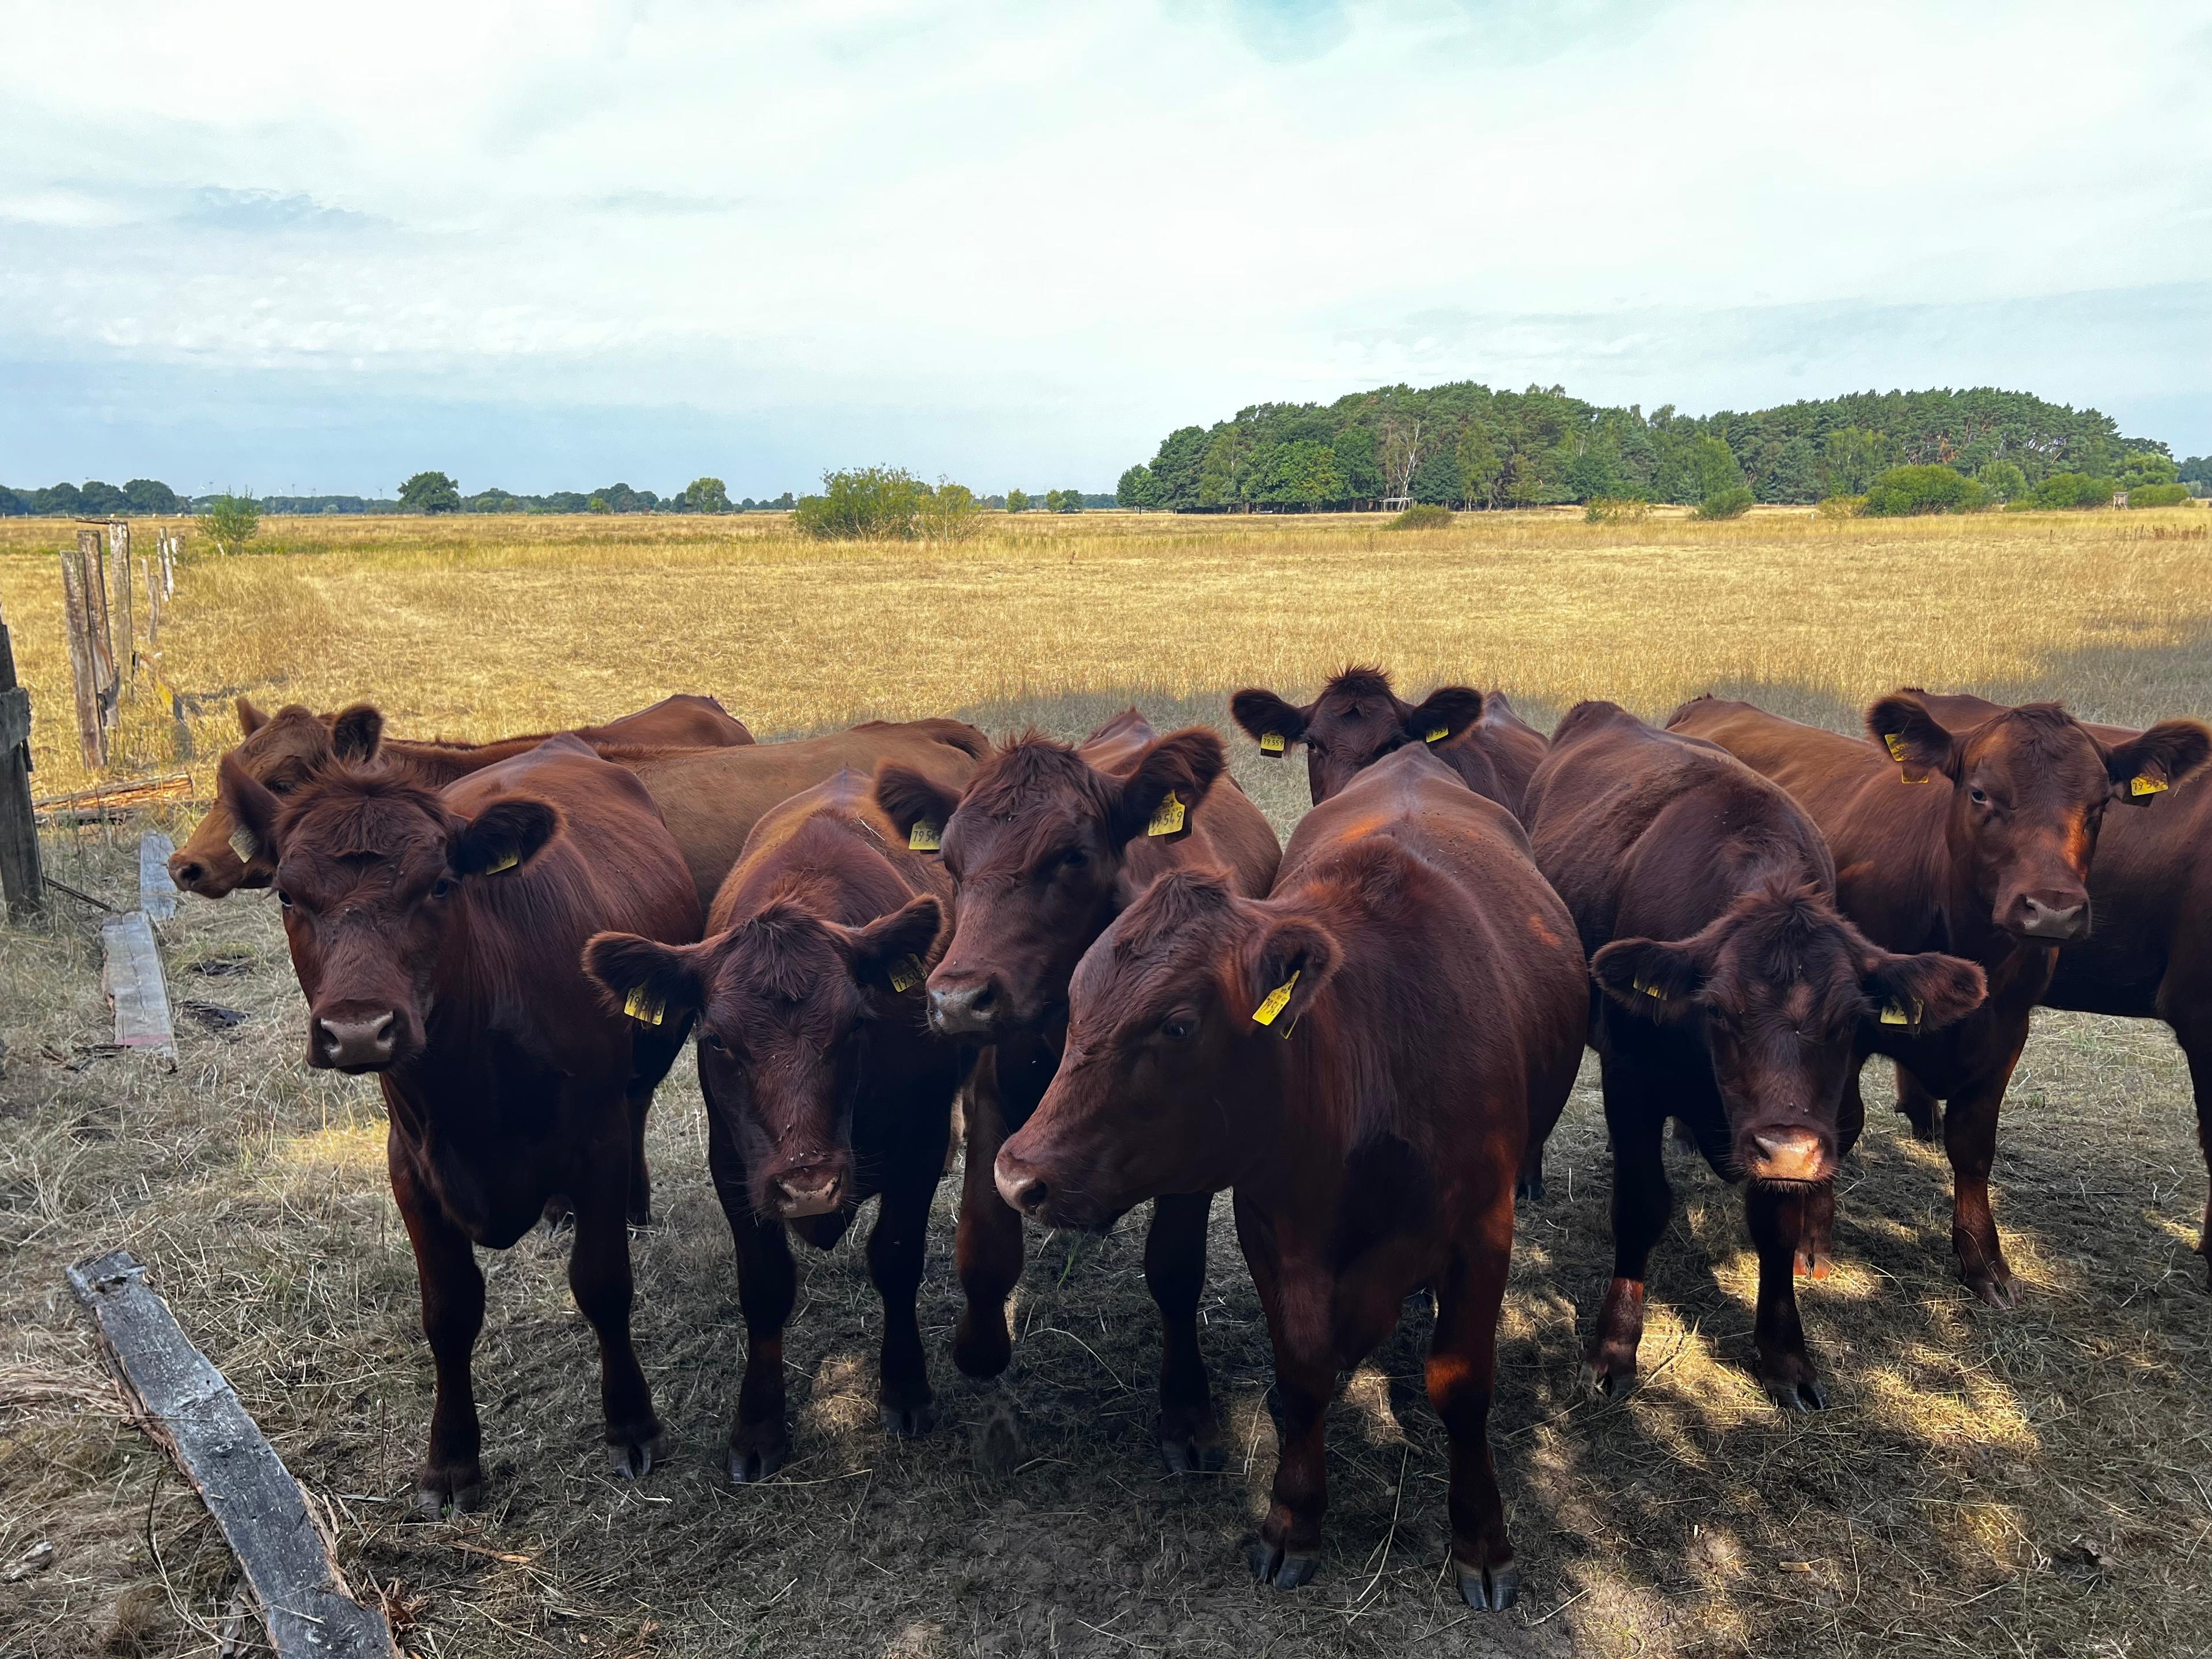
(1464, 445)
(149, 498)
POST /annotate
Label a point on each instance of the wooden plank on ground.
(131, 977)
(186, 1404)
(157, 894)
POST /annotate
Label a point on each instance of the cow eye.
(713, 1040)
(278, 785)
(284, 898)
(1178, 1028)
(442, 887)
(1977, 796)
(1073, 855)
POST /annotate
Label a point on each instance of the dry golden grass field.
(2037, 1482)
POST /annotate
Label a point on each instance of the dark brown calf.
(1047, 844)
(1360, 1056)
(1979, 846)
(824, 1085)
(2149, 955)
(436, 935)
(1734, 997)
(280, 750)
(1358, 718)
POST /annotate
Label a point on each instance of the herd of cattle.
(1137, 995)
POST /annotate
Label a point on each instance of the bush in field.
(2063, 491)
(1017, 500)
(863, 504)
(1423, 515)
(2158, 495)
(1063, 500)
(2003, 480)
(706, 495)
(233, 520)
(1904, 490)
(1730, 503)
(1839, 507)
(1616, 509)
(950, 512)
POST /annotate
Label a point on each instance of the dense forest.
(1464, 445)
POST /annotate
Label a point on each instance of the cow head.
(1175, 1022)
(784, 1000)
(2029, 786)
(279, 752)
(1779, 986)
(375, 875)
(1355, 722)
(1036, 845)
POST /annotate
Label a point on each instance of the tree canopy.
(430, 492)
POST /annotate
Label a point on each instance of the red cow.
(1736, 996)
(280, 750)
(1045, 846)
(1979, 846)
(824, 1085)
(2149, 954)
(436, 935)
(1358, 720)
(1361, 1055)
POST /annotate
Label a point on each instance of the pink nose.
(1024, 1191)
(1788, 1155)
(808, 1191)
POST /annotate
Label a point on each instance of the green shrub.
(2003, 480)
(2063, 491)
(1616, 509)
(1904, 490)
(233, 520)
(2165, 494)
(1839, 507)
(950, 512)
(1017, 500)
(863, 504)
(1732, 502)
(1424, 515)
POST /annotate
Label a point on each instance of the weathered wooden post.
(153, 563)
(122, 578)
(22, 879)
(107, 677)
(84, 671)
(172, 546)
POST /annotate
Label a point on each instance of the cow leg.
(1921, 1107)
(1461, 1370)
(2196, 1045)
(894, 1253)
(1288, 1552)
(1642, 1201)
(767, 1286)
(1970, 1136)
(652, 1052)
(452, 1313)
(1175, 1272)
(987, 1252)
(599, 1279)
(1785, 1369)
(639, 1208)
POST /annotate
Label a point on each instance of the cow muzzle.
(2057, 917)
(807, 1189)
(1794, 1156)
(354, 1041)
(970, 1005)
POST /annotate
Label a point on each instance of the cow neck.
(439, 765)
(1298, 1124)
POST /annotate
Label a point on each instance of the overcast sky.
(301, 248)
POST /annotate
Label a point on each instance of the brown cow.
(824, 1085)
(437, 936)
(1979, 846)
(1361, 1055)
(1358, 718)
(1045, 846)
(1735, 995)
(280, 750)
(2149, 954)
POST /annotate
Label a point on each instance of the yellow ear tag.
(906, 973)
(2144, 784)
(1651, 990)
(1437, 733)
(246, 847)
(1271, 743)
(1896, 746)
(1893, 1013)
(923, 837)
(644, 1009)
(1275, 1001)
(507, 860)
(1169, 818)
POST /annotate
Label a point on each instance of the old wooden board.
(185, 1403)
(157, 894)
(131, 975)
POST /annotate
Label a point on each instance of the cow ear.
(1293, 958)
(1183, 764)
(918, 806)
(1448, 711)
(893, 952)
(250, 718)
(1926, 992)
(505, 834)
(356, 733)
(645, 979)
(2142, 769)
(1660, 978)
(1268, 720)
(252, 810)
(1912, 736)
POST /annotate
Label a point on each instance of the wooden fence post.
(108, 678)
(121, 576)
(172, 544)
(153, 562)
(84, 671)
(22, 877)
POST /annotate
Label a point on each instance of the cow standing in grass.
(1734, 997)
(437, 935)
(823, 1084)
(1361, 1055)
(1979, 846)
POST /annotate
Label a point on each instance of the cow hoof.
(1190, 1440)
(908, 1422)
(998, 1439)
(1812, 1264)
(1796, 1393)
(558, 1216)
(758, 1453)
(640, 1218)
(1489, 1589)
(1608, 1377)
(1529, 1189)
(1993, 1286)
(456, 1490)
(629, 1457)
(1278, 1568)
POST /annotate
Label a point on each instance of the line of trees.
(1466, 445)
(426, 492)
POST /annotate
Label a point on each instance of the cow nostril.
(187, 872)
(1032, 1195)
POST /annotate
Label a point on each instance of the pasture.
(2025, 1482)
